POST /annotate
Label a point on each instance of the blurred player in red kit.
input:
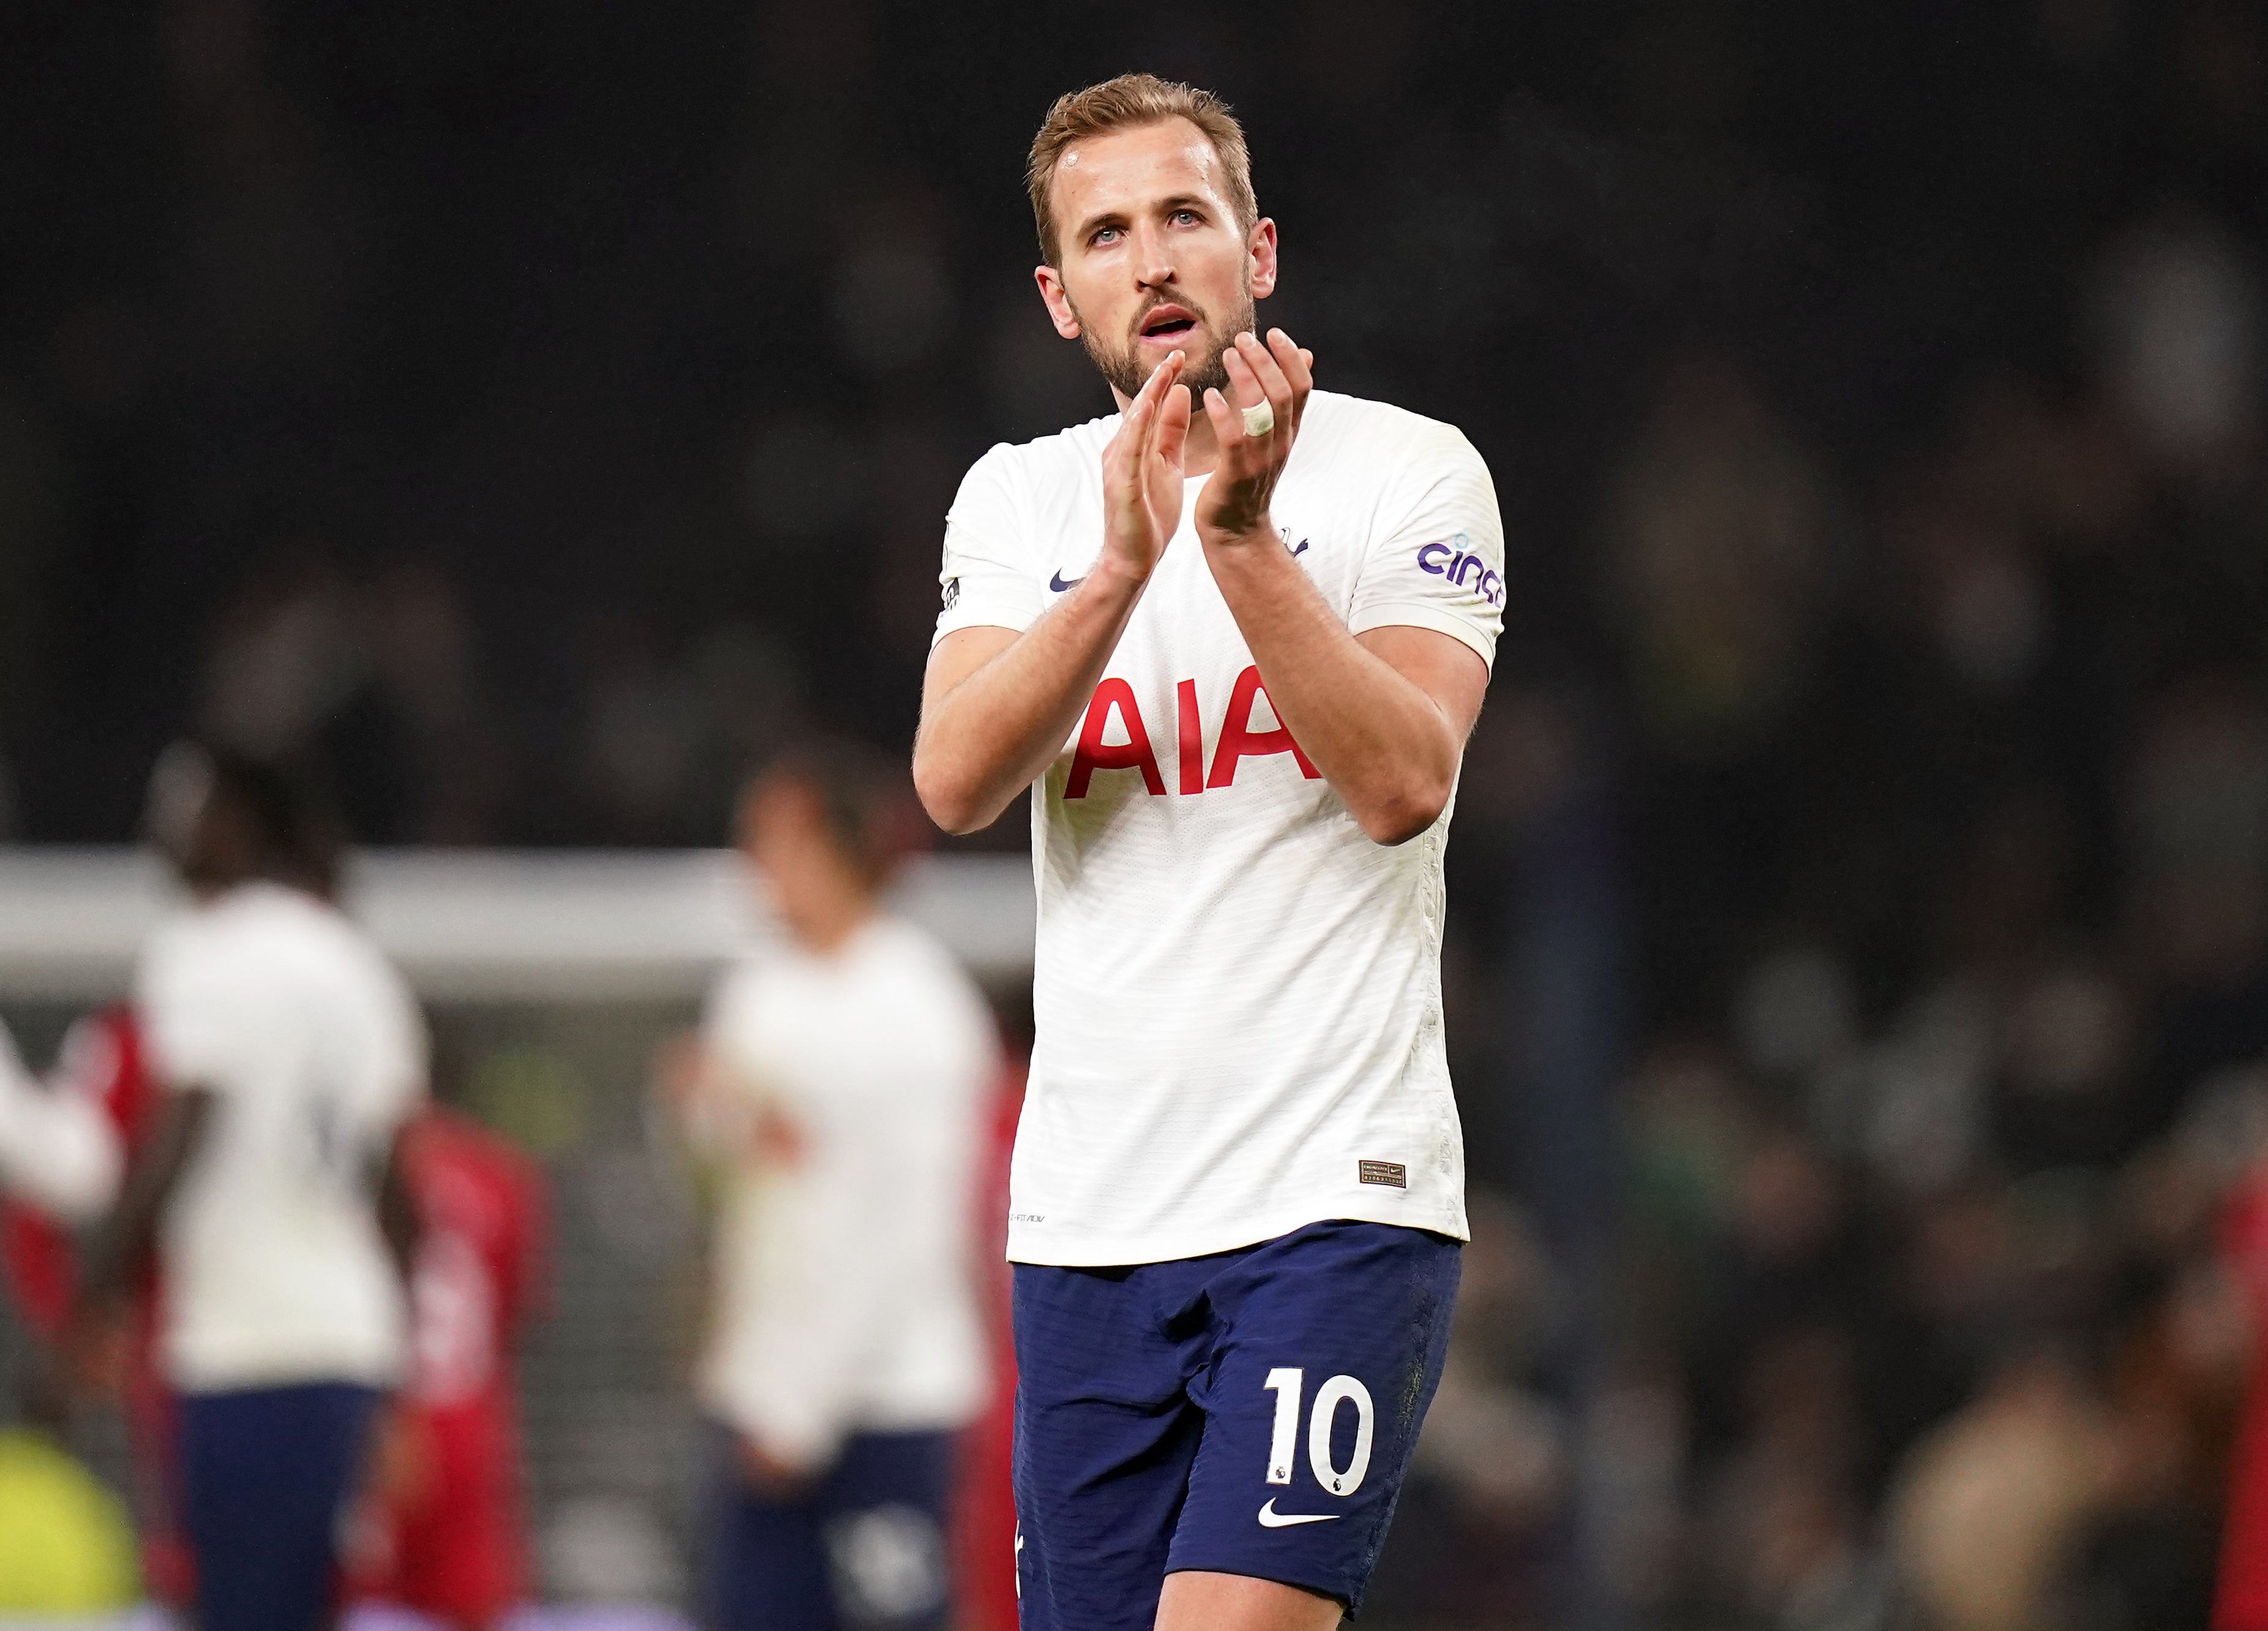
(448, 1534)
(2241, 1603)
(102, 1064)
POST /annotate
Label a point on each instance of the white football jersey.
(844, 1292)
(57, 1150)
(1237, 992)
(274, 1266)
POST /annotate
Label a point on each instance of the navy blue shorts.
(266, 1473)
(862, 1545)
(1249, 1413)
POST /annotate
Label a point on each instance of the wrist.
(1240, 537)
(1112, 574)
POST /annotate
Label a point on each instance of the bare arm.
(1383, 715)
(398, 1222)
(997, 705)
(126, 1234)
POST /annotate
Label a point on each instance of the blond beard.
(1127, 376)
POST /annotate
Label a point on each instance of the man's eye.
(1188, 218)
(1104, 234)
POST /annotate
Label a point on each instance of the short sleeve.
(1441, 565)
(719, 1114)
(402, 1080)
(729, 1018)
(13, 1074)
(194, 1015)
(983, 582)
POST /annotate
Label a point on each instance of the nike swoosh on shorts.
(1058, 583)
(1270, 1518)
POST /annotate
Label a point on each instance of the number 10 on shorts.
(1288, 1384)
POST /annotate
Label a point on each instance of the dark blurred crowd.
(535, 414)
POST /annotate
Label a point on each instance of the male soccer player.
(288, 1053)
(102, 1069)
(449, 1537)
(842, 1088)
(1234, 638)
(58, 1153)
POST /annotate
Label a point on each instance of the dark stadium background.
(1858, 947)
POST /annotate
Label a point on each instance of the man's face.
(782, 831)
(785, 832)
(1151, 257)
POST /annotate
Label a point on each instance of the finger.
(1141, 411)
(1270, 374)
(1146, 398)
(1297, 366)
(1269, 380)
(1249, 392)
(1246, 396)
(1159, 387)
(1173, 425)
(1122, 460)
(1228, 423)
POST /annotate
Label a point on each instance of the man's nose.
(1152, 266)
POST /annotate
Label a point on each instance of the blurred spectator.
(1990, 1505)
(1720, 557)
(2179, 338)
(1490, 1477)
(376, 682)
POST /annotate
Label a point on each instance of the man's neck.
(824, 927)
(205, 888)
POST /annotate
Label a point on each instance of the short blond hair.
(1125, 103)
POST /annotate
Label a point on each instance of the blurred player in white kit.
(289, 1053)
(66, 1550)
(58, 1152)
(841, 1087)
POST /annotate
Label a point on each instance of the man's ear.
(1057, 302)
(1262, 251)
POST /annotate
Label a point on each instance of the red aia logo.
(1238, 739)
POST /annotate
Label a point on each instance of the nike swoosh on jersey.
(1058, 583)
(1270, 1518)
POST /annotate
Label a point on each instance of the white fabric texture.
(1237, 992)
(844, 1289)
(58, 1152)
(275, 1268)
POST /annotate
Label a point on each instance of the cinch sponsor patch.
(1453, 558)
(1386, 1174)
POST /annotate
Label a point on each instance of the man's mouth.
(1167, 325)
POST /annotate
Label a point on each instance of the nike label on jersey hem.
(1059, 584)
(1270, 1518)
